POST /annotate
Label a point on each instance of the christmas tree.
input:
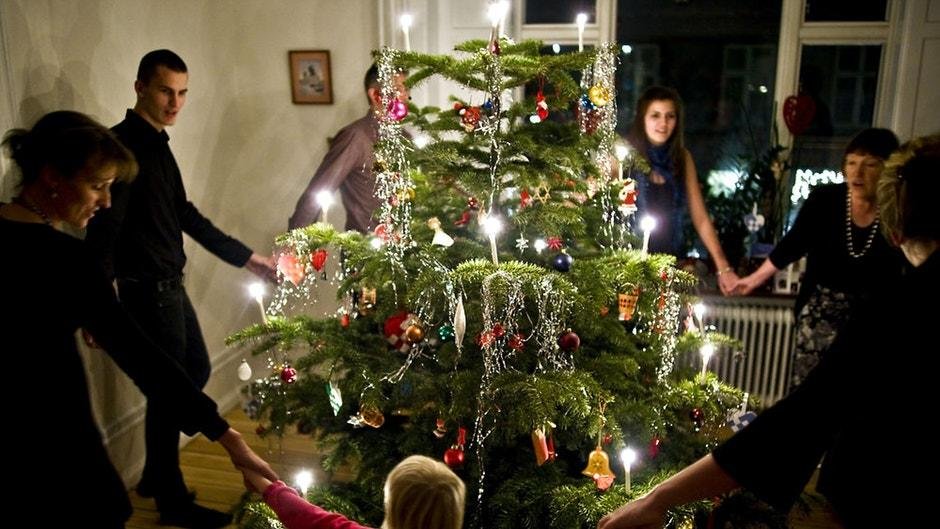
(503, 316)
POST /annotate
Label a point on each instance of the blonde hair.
(908, 189)
(422, 493)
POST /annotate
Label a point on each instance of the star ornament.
(522, 243)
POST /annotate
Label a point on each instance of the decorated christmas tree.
(504, 315)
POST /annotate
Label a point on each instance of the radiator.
(765, 328)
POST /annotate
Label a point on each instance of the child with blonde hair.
(420, 493)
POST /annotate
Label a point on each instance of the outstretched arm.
(702, 479)
(727, 278)
(262, 266)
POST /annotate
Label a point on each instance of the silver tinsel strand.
(392, 179)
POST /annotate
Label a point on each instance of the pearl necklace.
(28, 204)
(850, 246)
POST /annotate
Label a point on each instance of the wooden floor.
(218, 485)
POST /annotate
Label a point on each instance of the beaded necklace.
(28, 204)
(850, 246)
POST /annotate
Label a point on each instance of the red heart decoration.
(798, 113)
(290, 267)
(318, 259)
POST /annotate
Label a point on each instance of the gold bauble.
(599, 95)
(414, 334)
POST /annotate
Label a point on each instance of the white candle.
(492, 226)
(581, 20)
(699, 310)
(406, 20)
(257, 291)
(325, 200)
(648, 224)
(303, 480)
(495, 12)
(706, 351)
(621, 151)
(627, 456)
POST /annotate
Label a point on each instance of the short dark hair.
(150, 62)
(873, 141)
(372, 77)
(68, 142)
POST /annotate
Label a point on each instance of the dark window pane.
(842, 81)
(848, 58)
(846, 10)
(557, 11)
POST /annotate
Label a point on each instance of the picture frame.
(311, 80)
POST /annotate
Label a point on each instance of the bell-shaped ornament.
(598, 464)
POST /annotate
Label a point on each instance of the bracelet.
(723, 270)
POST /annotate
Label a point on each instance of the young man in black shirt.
(140, 241)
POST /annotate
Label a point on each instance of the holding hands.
(244, 458)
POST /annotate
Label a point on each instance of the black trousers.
(165, 313)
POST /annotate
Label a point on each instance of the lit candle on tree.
(621, 151)
(257, 291)
(627, 456)
(324, 200)
(707, 350)
(495, 12)
(492, 226)
(581, 20)
(405, 20)
(699, 310)
(648, 224)
(303, 480)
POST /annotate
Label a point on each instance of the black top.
(141, 235)
(53, 286)
(819, 234)
(862, 406)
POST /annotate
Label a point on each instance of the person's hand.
(641, 513)
(728, 282)
(254, 481)
(263, 267)
(747, 284)
(243, 457)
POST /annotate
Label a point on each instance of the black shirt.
(865, 406)
(54, 286)
(819, 234)
(141, 235)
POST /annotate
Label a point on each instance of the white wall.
(917, 106)
(245, 151)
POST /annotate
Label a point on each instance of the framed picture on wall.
(310, 79)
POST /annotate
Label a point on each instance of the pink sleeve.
(297, 513)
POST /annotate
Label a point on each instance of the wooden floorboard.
(218, 485)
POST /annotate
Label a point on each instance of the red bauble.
(498, 331)
(517, 342)
(454, 456)
(653, 449)
(344, 320)
(318, 259)
(569, 341)
(608, 439)
(289, 375)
